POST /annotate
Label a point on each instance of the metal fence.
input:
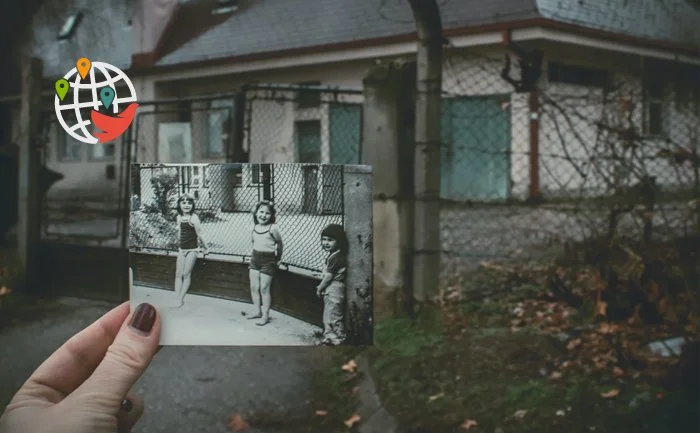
(306, 197)
(578, 154)
(303, 123)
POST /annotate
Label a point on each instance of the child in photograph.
(332, 286)
(265, 260)
(190, 233)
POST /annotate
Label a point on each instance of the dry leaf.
(350, 366)
(469, 423)
(618, 372)
(573, 344)
(352, 420)
(601, 308)
(321, 412)
(610, 394)
(560, 412)
(520, 414)
(4, 291)
(555, 375)
(436, 396)
(237, 423)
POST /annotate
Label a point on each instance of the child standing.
(332, 286)
(190, 233)
(265, 259)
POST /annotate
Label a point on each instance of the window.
(308, 141)
(219, 124)
(577, 75)
(184, 112)
(653, 106)
(255, 174)
(102, 151)
(310, 98)
(70, 26)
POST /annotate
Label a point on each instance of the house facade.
(604, 72)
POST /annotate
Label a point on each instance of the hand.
(80, 387)
(319, 291)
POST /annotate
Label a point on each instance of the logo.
(87, 102)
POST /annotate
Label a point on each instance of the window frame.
(651, 100)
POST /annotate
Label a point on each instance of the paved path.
(186, 389)
(205, 320)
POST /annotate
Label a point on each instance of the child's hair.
(270, 205)
(182, 198)
(336, 231)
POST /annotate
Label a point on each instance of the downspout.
(533, 103)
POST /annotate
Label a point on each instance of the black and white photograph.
(254, 254)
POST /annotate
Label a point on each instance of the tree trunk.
(426, 256)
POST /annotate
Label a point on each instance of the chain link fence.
(304, 124)
(306, 197)
(606, 154)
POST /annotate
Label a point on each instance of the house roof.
(268, 26)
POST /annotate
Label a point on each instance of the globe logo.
(88, 106)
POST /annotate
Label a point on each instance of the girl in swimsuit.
(264, 261)
(190, 231)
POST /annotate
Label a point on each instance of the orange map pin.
(83, 66)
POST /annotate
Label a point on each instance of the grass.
(434, 380)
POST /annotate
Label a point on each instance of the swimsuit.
(188, 236)
(264, 258)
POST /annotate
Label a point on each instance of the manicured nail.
(144, 318)
(127, 405)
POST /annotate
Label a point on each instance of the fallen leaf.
(237, 423)
(350, 366)
(610, 394)
(618, 372)
(4, 290)
(602, 308)
(520, 414)
(573, 344)
(560, 412)
(352, 420)
(436, 396)
(469, 423)
(321, 412)
(555, 375)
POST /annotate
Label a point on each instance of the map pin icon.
(107, 96)
(83, 66)
(62, 87)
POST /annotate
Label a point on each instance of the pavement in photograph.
(186, 389)
(205, 320)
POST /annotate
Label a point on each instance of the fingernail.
(127, 405)
(144, 317)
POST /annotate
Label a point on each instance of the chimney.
(149, 26)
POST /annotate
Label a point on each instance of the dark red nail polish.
(144, 318)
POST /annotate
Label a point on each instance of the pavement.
(204, 320)
(186, 389)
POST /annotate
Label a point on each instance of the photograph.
(253, 254)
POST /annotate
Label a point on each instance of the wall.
(292, 294)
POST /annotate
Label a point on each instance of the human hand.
(319, 291)
(81, 387)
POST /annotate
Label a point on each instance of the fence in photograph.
(306, 198)
(610, 155)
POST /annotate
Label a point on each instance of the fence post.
(387, 143)
(29, 206)
(357, 193)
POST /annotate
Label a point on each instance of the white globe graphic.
(85, 94)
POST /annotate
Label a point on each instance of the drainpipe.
(534, 194)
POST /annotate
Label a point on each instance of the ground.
(204, 320)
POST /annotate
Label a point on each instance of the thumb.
(125, 361)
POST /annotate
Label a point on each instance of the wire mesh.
(304, 124)
(306, 198)
(589, 146)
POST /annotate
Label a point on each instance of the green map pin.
(62, 87)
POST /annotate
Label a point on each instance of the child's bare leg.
(255, 293)
(179, 265)
(265, 292)
(190, 259)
